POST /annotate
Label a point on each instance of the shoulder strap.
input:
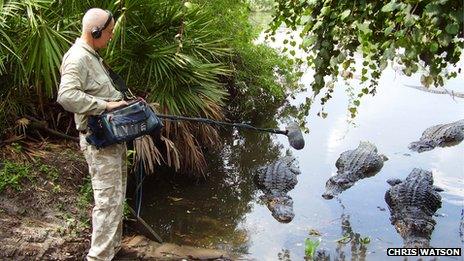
(118, 82)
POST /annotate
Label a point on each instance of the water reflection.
(349, 245)
(206, 213)
(223, 211)
(284, 255)
(358, 244)
(461, 226)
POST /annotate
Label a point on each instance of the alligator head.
(412, 203)
(354, 165)
(281, 207)
(336, 185)
(442, 135)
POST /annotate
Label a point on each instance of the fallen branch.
(146, 229)
(437, 91)
(37, 124)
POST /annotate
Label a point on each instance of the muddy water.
(225, 211)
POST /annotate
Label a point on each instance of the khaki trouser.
(108, 171)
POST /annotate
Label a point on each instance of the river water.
(225, 211)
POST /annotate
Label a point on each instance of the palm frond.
(147, 153)
(193, 160)
(172, 154)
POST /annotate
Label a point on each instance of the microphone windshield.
(295, 137)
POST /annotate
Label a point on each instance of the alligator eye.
(343, 181)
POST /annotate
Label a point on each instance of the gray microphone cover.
(295, 137)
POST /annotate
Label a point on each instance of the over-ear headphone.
(97, 31)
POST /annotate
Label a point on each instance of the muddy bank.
(45, 210)
(43, 216)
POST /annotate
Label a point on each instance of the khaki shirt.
(85, 84)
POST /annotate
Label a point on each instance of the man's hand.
(113, 105)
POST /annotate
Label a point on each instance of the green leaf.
(317, 25)
(188, 5)
(325, 10)
(409, 20)
(346, 64)
(356, 102)
(426, 80)
(452, 28)
(389, 29)
(444, 39)
(433, 47)
(364, 27)
(389, 7)
(345, 14)
(432, 9)
(383, 64)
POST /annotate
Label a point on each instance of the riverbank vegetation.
(193, 58)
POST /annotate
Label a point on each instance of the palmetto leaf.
(42, 57)
(172, 154)
(162, 48)
(147, 153)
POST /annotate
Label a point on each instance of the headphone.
(97, 31)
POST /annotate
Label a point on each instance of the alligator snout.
(327, 196)
(334, 186)
(282, 208)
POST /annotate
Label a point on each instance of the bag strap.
(119, 83)
(117, 80)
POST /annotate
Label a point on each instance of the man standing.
(87, 89)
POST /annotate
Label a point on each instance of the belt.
(83, 132)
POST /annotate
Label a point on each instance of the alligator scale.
(352, 166)
(412, 204)
(275, 180)
(439, 135)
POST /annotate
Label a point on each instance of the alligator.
(352, 166)
(275, 180)
(412, 204)
(442, 135)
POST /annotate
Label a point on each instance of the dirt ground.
(47, 218)
(43, 220)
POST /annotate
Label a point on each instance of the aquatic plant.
(311, 247)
